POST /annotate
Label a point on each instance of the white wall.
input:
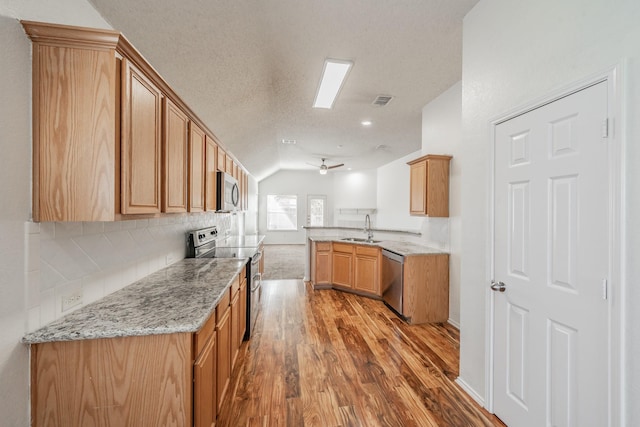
(513, 53)
(15, 186)
(442, 134)
(355, 189)
(302, 184)
(15, 147)
(393, 195)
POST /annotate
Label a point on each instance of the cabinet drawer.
(323, 246)
(223, 305)
(342, 247)
(367, 250)
(203, 335)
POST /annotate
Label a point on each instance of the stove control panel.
(205, 235)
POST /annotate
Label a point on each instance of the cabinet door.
(323, 268)
(175, 144)
(74, 134)
(366, 274)
(223, 376)
(141, 142)
(229, 167)
(210, 175)
(437, 193)
(222, 160)
(235, 329)
(418, 195)
(196, 168)
(243, 310)
(204, 387)
(341, 269)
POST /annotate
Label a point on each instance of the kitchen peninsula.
(157, 352)
(420, 281)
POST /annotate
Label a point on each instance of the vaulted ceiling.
(250, 70)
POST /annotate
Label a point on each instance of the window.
(282, 212)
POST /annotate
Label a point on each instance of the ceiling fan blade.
(335, 166)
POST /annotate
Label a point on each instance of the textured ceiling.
(250, 69)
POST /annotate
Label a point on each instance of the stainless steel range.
(204, 243)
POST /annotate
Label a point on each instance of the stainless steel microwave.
(228, 193)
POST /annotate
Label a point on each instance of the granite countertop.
(382, 230)
(401, 248)
(178, 298)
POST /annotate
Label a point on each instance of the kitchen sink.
(359, 239)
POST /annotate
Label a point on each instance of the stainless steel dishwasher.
(392, 280)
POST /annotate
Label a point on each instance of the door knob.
(498, 286)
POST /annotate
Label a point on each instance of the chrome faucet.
(367, 227)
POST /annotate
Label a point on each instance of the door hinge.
(605, 128)
(605, 289)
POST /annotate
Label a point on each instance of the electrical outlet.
(169, 259)
(72, 299)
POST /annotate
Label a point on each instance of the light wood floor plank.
(330, 358)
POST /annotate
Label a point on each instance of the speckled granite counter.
(178, 298)
(402, 248)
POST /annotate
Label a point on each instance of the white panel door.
(551, 245)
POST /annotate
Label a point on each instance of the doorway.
(316, 210)
(552, 264)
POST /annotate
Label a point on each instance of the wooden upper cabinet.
(222, 160)
(429, 186)
(74, 115)
(210, 170)
(110, 136)
(229, 167)
(175, 149)
(141, 142)
(196, 168)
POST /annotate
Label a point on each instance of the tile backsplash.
(99, 258)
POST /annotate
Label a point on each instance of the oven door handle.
(255, 283)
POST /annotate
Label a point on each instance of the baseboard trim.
(470, 391)
(454, 323)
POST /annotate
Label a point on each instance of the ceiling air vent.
(382, 100)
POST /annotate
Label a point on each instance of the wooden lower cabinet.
(223, 330)
(426, 288)
(367, 269)
(243, 307)
(204, 385)
(341, 265)
(235, 329)
(145, 380)
(176, 379)
(321, 264)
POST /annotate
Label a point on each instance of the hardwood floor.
(329, 358)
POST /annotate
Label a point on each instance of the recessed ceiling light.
(366, 123)
(334, 74)
(289, 141)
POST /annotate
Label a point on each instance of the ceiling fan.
(324, 168)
